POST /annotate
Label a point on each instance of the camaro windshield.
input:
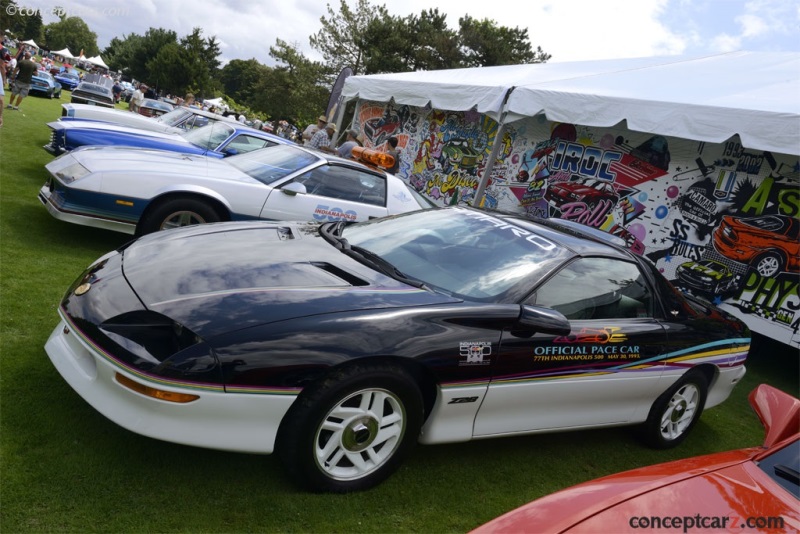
(210, 136)
(272, 164)
(463, 252)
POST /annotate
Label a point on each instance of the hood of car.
(726, 484)
(218, 278)
(139, 162)
(110, 130)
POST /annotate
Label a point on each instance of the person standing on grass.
(138, 98)
(22, 81)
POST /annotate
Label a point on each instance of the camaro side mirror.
(544, 320)
(293, 188)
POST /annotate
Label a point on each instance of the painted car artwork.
(339, 346)
(673, 200)
(139, 191)
(748, 490)
(707, 276)
(770, 244)
(218, 139)
(179, 120)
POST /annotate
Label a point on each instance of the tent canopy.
(712, 98)
(97, 61)
(65, 53)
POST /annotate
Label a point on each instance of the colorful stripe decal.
(193, 386)
(727, 353)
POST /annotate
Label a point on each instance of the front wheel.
(351, 430)
(675, 412)
(179, 212)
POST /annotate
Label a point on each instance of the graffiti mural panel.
(721, 221)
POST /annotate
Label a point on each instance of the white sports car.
(177, 121)
(138, 191)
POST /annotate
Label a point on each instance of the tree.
(437, 46)
(196, 58)
(119, 53)
(339, 39)
(170, 70)
(73, 33)
(297, 89)
(389, 46)
(240, 79)
(485, 44)
(34, 26)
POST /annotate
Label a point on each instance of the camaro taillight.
(169, 396)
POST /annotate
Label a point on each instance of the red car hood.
(720, 485)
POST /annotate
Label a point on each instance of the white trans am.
(179, 120)
(138, 191)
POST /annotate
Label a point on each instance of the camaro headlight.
(74, 171)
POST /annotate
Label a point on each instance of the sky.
(569, 30)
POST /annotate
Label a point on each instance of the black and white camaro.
(340, 346)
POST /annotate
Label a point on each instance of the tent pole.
(487, 171)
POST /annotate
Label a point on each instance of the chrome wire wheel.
(361, 433)
(680, 412)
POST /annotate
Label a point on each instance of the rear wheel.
(351, 430)
(179, 212)
(675, 412)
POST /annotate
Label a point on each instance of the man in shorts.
(22, 80)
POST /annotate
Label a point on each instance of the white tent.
(218, 103)
(712, 98)
(65, 53)
(31, 42)
(97, 61)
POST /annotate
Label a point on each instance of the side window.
(345, 184)
(597, 288)
(246, 143)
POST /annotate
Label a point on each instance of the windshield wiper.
(380, 264)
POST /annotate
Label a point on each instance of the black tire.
(675, 412)
(334, 440)
(768, 264)
(178, 212)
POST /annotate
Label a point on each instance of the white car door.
(328, 193)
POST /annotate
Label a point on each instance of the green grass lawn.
(67, 468)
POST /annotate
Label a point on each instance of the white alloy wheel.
(360, 434)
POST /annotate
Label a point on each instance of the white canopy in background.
(64, 53)
(753, 94)
(31, 42)
(98, 61)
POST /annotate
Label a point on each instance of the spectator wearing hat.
(312, 129)
(345, 150)
(322, 139)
